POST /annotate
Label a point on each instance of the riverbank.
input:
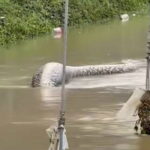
(24, 19)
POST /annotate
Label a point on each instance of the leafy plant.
(22, 19)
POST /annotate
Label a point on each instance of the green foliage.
(30, 18)
(91, 11)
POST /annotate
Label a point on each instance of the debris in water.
(133, 15)
(124, 17)
(57, 32)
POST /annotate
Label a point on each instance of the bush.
(30, 18)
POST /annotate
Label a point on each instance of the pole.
(148, 72)
(148, 64)
(63, 94)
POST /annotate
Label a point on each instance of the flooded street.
(92, 102)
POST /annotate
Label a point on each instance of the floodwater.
(92, 103)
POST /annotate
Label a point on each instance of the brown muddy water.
(92, 103)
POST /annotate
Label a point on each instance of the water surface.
(92, 103)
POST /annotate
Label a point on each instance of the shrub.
(29, 18)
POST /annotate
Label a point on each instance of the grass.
(31, 18)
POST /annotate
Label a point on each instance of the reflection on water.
(92, 103)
